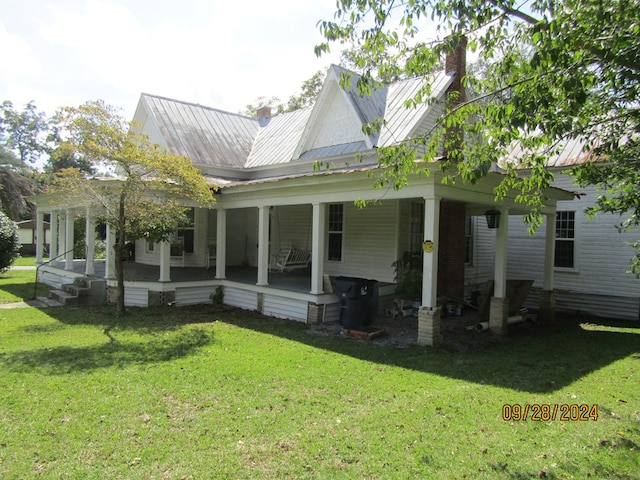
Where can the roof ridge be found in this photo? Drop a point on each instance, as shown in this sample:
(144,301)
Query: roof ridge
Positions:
(193,104)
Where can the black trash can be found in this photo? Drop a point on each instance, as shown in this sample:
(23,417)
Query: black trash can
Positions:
(358,300)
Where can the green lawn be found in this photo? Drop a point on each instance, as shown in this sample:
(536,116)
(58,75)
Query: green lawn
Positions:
(199,393)
(18,285)
(25,261)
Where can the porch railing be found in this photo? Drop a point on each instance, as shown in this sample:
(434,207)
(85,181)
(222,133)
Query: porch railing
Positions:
(35,286)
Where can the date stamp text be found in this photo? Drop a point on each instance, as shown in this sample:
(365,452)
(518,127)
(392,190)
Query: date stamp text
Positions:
(544,412)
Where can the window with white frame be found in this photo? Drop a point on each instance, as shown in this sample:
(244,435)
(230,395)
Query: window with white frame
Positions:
(565,248)
(468,241)
(335,230)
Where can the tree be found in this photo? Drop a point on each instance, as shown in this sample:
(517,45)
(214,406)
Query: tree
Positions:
(554,71)
(24,132)
(146,196)
(21,144)
(9,242)
(309,91)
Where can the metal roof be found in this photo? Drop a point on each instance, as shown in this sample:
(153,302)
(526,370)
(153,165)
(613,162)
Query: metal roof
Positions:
(276,142)
(401,122)
(209,137)
(565,154)
(213,138)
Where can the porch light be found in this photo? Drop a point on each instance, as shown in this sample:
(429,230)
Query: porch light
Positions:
(493,218)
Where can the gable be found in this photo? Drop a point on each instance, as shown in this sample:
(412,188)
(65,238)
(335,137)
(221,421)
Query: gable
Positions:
(336,123)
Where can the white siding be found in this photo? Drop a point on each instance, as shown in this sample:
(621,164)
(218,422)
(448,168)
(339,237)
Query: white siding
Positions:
(369,243)
(285,307)
(193,295)
(136,297)
(598,284)
(242,236)
(237,297)
(291,224)
(336,123)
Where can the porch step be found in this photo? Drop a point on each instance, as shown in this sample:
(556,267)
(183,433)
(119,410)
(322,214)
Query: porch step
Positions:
(83,291)
(65,298)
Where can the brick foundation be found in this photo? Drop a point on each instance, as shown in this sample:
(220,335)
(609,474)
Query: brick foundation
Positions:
(429,327)
(498,315)
(161,299)
(315,313)
(260,302)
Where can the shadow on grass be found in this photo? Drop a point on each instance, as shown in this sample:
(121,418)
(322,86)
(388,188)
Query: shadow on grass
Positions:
(62,360)
(534,358)
(23,291)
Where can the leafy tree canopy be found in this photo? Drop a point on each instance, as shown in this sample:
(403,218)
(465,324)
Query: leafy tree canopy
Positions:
(9,242)
(145,197)
(23,132)
(553,70)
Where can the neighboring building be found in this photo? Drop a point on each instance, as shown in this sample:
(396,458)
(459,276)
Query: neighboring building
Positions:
(27,233)
(271,195)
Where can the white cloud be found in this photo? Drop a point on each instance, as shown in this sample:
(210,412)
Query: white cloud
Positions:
(218,53)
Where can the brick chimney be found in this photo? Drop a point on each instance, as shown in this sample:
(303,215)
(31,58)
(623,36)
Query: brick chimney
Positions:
(456,62)
(263,113)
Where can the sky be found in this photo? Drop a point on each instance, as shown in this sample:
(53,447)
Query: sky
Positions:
(222,54)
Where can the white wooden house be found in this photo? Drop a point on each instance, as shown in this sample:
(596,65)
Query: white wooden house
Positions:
(270,195)
(591,256)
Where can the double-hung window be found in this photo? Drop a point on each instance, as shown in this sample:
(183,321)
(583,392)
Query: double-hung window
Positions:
(565,248)
(336,225)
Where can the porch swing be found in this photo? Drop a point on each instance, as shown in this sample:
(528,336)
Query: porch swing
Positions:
(288,256)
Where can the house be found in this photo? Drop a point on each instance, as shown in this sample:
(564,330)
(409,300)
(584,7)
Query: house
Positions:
(27,234)
(272,196)
(591,257)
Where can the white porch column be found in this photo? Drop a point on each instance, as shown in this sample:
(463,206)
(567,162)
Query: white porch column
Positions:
(547,300)
(499,307)
(221,243)
(263,246)
(62,233)
(549,251)
(53,234)
(429,313)
(68,259)
(165,262)
(40,235)
(90,236)
(110,266)
(317,247)
(430,256)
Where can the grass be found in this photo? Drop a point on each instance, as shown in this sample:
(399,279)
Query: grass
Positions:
(206,393)
(18,286)
(25,261)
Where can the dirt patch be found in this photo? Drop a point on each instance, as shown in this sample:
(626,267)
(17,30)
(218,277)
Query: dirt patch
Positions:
(459,333)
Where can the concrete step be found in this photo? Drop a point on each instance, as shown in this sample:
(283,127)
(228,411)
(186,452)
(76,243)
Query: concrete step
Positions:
(78,291)
(63,297)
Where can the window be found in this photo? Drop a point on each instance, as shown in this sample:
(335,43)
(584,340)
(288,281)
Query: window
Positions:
(417,227)
(565,239)
(468,241)
(150,246)
(336,219)
(185,234)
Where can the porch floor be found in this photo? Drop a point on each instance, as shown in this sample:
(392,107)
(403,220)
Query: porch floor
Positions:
(295,281)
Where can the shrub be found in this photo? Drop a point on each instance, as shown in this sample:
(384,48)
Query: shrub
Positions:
(9,242)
